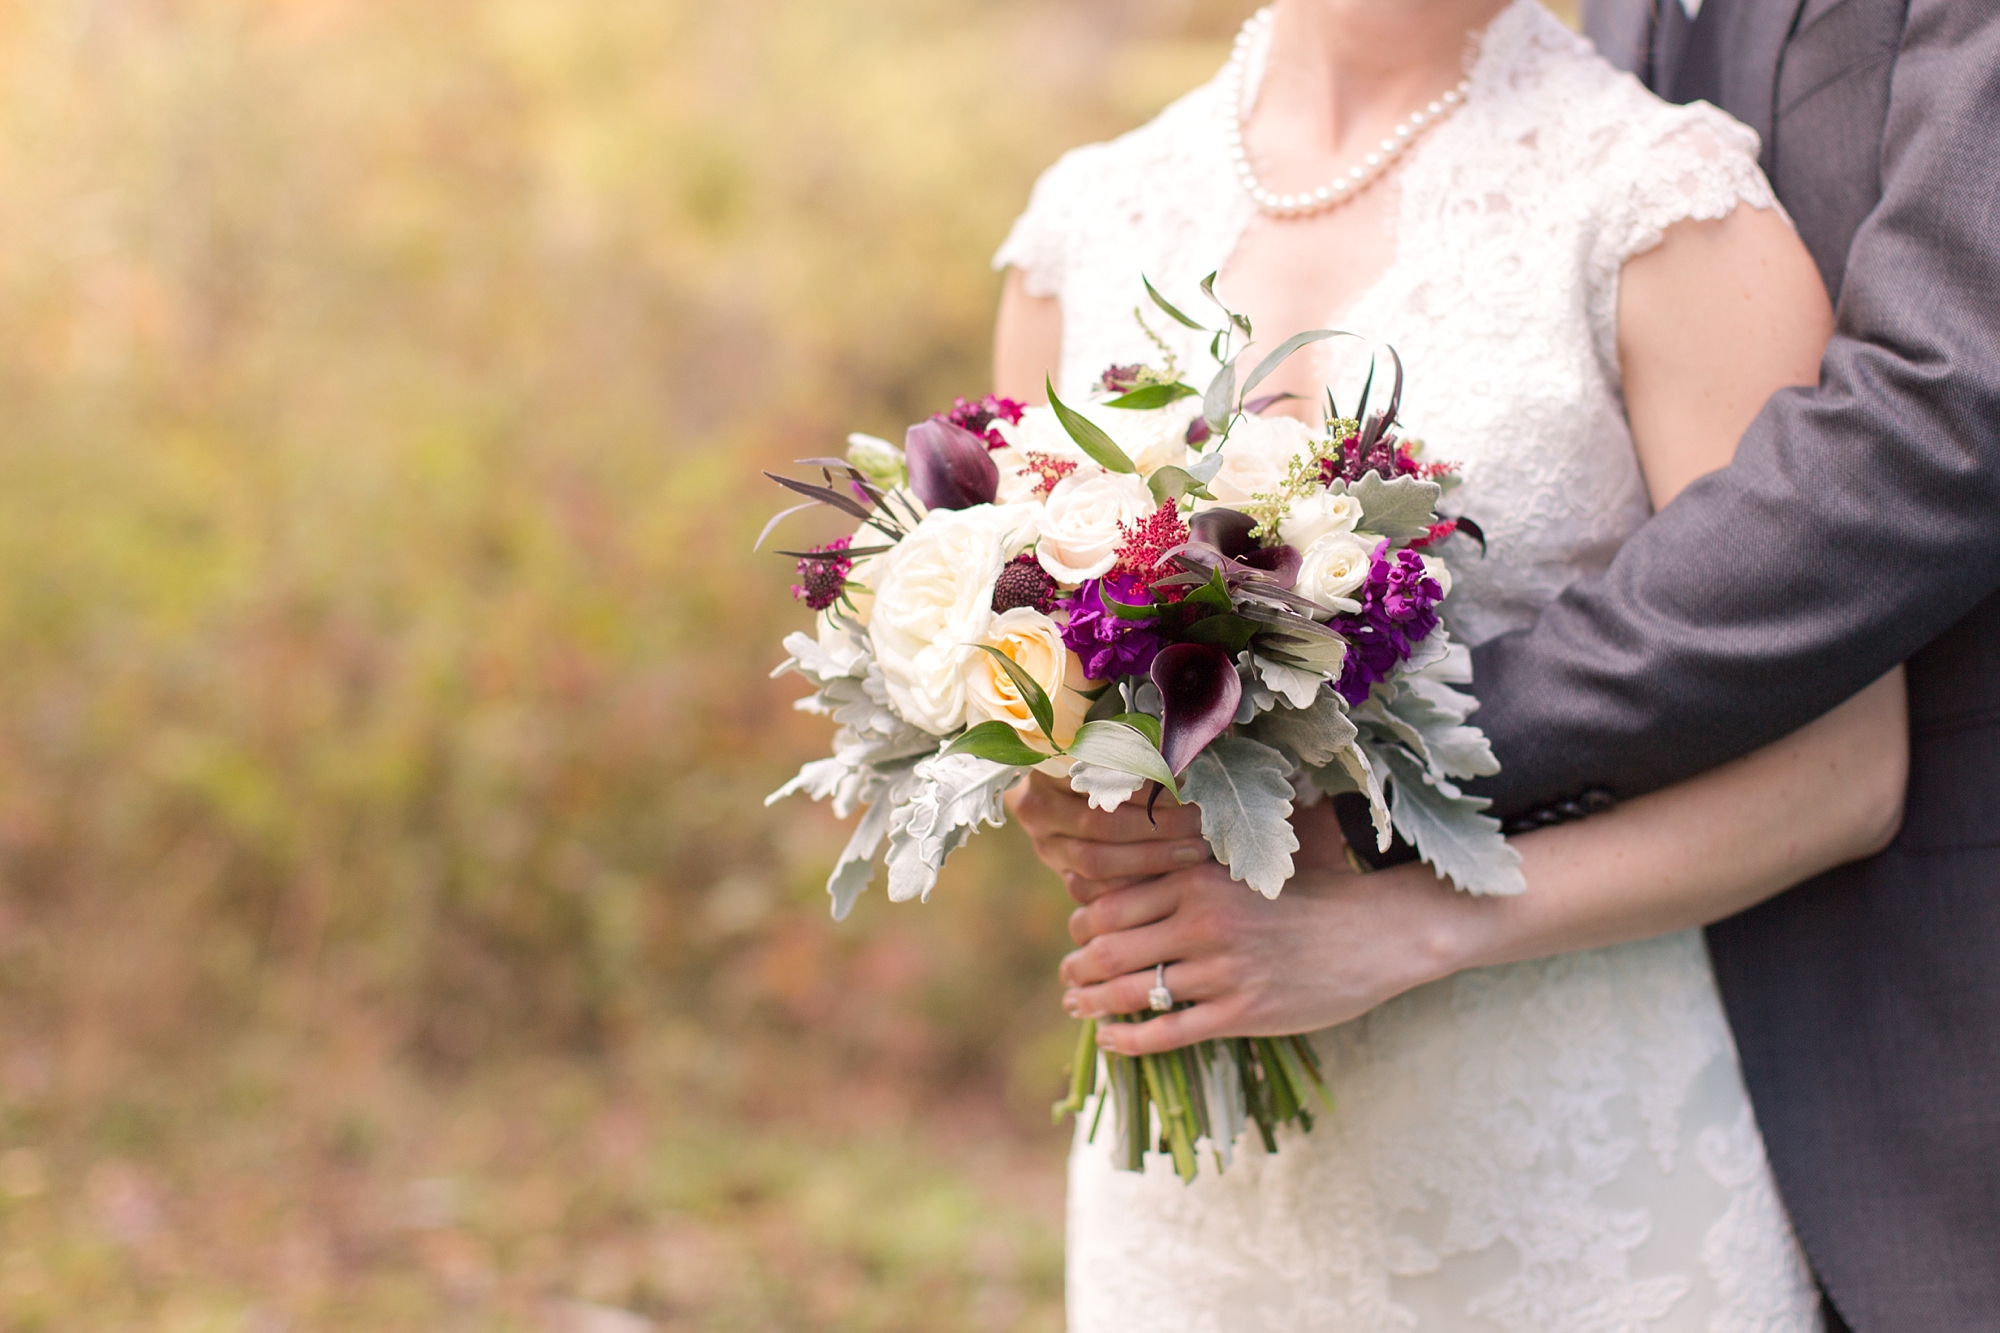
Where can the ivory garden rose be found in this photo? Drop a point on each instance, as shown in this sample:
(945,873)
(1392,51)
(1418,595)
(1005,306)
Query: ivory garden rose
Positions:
(933,602)
(1035,644)
(1083,524)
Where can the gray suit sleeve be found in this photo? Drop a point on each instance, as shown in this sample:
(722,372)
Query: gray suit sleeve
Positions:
(1859,520)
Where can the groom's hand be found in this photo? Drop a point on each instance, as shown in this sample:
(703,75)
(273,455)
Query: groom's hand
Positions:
(1096,852)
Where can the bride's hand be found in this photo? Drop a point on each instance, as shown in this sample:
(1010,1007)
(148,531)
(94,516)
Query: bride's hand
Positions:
(1096,852)
(1331,947)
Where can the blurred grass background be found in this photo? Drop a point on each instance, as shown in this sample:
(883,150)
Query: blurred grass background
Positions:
(391,933)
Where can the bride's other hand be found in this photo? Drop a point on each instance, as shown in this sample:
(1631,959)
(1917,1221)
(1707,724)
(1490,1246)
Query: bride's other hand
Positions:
(1095,851)
(1331,947)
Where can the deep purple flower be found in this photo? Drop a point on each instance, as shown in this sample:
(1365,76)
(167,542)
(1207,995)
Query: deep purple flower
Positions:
(1109,645)
(1398,612)
(949,466)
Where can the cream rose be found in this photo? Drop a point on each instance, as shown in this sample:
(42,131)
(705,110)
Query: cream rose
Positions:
(1080,524)
(1034,643)
(1257,456)
(934,600)
(1320,514)
(1333,568)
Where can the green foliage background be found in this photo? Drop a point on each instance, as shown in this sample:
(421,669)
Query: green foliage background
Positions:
(391,932)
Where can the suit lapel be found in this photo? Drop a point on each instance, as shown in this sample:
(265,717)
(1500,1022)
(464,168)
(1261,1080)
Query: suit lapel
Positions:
(1729,56)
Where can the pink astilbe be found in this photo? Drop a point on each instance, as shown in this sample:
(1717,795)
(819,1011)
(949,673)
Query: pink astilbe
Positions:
(1049,468)
(1145,542)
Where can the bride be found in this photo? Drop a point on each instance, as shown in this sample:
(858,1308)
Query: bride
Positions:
(1540,1125)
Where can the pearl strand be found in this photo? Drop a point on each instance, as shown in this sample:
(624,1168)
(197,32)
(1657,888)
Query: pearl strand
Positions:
(1341,188)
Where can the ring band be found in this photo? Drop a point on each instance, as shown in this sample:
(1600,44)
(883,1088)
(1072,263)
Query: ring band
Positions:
(1160,998)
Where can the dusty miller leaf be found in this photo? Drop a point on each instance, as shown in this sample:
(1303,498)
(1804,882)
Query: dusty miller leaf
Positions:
(950,796)
(1313,736)
(1294,685)
(1107,788)
(1452,832)
(1454,750)
(1400,509)
(1244,790)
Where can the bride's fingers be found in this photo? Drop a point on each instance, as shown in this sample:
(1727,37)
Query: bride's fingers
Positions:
(1048,808)
(1090,859)
(1124,951)
(1168,1032)
(1138,904)
(1196,981)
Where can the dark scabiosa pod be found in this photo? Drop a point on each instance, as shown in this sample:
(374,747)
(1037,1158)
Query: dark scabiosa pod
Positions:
(949,466)
(1199,691)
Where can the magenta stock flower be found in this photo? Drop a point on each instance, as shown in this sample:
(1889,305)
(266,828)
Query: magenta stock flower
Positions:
(1398,612)
(1108,644)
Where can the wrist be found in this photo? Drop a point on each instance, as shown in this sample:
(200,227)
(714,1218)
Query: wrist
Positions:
(1449,931)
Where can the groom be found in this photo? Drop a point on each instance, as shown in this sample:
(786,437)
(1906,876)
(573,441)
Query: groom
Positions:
(1859,526)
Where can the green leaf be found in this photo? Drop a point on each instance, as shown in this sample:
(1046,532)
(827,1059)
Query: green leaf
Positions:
(1119,746)
(1169,484)
(1089,436)
(1285,349)
(1232,632)
(1032,693)
(1144,723)
(1245,793)
(1128,610)
(1208,290)
(1219,403)
(1149,396)
(1400,509)
(1214,594)
(1172,313)
(998,742)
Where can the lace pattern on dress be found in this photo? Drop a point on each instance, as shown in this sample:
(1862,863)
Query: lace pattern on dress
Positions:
(1510,1147)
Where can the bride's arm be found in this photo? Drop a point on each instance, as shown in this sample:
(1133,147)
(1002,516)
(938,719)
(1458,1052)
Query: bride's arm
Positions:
(1027,341)
(1336,944)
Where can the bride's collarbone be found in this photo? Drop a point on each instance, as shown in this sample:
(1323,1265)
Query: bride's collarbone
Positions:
(1288,275)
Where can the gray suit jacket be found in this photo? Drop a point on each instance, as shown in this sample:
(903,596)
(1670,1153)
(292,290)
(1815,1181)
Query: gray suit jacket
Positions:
(1858,527)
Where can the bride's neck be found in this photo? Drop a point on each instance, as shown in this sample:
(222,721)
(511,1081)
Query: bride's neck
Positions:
(1339,62)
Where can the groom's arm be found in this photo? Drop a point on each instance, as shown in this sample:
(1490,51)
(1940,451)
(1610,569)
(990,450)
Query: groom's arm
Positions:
(1859,520)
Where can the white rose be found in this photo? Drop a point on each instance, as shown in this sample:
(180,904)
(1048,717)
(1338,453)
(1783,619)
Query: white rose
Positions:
(1320,514)
(1333,568)
(1438,570)
(934,600)
(1080,524)
(1034,643)
(1257,456)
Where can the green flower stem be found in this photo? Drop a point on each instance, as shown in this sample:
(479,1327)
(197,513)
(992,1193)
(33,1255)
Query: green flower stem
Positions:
(1082,1072)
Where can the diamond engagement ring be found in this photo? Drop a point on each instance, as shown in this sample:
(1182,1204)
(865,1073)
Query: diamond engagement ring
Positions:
(1160,998)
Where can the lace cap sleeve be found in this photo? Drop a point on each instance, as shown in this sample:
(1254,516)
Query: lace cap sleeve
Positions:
(1690,163)
(1038,243)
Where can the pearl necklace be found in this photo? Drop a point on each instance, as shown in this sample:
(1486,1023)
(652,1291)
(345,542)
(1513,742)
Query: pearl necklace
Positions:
(1341,188)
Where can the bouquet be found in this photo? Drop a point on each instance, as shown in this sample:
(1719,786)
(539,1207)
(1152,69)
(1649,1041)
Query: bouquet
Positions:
(1160,591)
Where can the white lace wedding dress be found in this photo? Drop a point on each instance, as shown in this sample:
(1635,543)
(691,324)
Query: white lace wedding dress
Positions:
(1562,1146)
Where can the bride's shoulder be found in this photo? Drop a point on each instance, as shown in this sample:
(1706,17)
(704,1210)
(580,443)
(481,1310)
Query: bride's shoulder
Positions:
(1106,179)
(1603,118)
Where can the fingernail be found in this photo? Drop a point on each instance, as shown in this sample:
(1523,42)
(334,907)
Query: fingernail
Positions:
(1190,853)
(1104,1042)
(1073,1004)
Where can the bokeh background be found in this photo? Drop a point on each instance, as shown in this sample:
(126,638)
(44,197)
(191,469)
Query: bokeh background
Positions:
(392,935)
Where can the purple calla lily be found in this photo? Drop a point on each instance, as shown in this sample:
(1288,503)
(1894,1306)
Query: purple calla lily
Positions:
(1228,531)
(949,466)
(1199,690)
